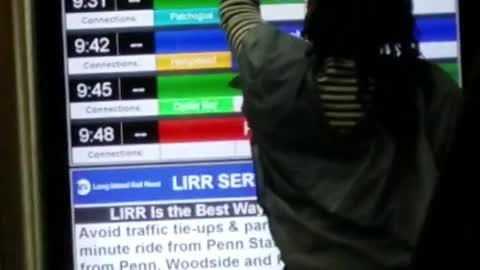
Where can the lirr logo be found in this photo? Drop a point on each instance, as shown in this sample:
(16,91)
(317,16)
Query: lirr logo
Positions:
(84,187)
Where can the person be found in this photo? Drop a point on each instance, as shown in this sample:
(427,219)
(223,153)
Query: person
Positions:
(351,128)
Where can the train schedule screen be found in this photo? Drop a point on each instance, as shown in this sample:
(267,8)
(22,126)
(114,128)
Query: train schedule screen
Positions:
(161,177)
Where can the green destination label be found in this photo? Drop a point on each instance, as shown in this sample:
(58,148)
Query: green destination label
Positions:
(191,16)
(196,94)
(452,69)
(212,94)
(177,4)
(194,106)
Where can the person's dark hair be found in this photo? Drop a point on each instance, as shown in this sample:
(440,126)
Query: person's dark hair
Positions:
(380,35)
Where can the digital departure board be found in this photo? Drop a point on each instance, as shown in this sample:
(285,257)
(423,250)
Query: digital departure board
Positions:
(161,176)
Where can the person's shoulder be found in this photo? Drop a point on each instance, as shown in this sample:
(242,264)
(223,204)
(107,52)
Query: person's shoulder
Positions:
(272,55)
(441,82)
(271,41)
(444,94)
(267,31)
(441,86)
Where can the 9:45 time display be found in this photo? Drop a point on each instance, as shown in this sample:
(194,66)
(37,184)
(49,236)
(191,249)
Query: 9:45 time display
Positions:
(94,90)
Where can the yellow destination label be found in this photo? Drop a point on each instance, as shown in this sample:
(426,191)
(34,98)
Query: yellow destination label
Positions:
(194,61)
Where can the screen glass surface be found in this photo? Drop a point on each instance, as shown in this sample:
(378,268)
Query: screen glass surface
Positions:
(161,176)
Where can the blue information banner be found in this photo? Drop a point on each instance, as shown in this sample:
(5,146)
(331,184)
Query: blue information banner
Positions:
(437,29)
(429,29)
(191,41)
(156,184)
(170,41)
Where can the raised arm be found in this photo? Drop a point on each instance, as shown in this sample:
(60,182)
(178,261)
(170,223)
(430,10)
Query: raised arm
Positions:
(237,18)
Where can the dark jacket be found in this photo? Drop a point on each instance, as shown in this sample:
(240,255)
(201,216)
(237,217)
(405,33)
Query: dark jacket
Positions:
(452,225)
(334,205)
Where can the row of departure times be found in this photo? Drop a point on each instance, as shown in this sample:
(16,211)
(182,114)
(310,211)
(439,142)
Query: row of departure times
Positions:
(164,140)
(110,44)
(106,5)
(155,82)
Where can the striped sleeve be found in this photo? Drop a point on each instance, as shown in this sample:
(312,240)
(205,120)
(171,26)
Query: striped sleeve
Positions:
(237,18)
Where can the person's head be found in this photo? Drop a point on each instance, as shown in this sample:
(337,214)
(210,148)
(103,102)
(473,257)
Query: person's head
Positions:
(354,28)
(380,35)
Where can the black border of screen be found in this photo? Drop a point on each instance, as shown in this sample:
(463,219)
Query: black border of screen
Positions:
(469,21)
(55,187)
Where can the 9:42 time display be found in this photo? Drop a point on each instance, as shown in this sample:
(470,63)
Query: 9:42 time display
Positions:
(88,45)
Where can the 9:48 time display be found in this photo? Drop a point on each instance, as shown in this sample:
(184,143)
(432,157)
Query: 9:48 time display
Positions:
(96,134)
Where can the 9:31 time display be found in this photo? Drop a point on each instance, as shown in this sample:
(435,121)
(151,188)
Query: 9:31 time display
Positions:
(89,5)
